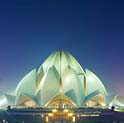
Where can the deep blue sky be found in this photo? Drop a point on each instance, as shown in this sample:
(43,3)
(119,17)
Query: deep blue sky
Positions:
(91,30)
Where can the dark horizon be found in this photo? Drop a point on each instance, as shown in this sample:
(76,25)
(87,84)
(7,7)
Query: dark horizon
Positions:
(92,31)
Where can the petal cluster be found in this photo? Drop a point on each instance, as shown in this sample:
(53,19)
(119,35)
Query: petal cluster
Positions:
(60,80)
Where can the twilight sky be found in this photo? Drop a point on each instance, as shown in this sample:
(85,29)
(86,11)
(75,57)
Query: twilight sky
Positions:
(91,30)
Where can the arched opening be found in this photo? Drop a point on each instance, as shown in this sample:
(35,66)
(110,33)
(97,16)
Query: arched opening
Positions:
(23,100)
(60,101)
(97,100)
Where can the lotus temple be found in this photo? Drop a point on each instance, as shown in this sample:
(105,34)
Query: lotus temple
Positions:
(61,91)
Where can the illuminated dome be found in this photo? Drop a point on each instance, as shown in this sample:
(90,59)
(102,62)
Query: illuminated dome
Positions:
(60,81)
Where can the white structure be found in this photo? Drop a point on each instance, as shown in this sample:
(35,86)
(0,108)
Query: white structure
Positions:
(60,81)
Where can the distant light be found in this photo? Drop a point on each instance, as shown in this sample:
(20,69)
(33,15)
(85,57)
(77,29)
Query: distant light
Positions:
(70,114)
(4,121)
(54,110)
(47,119)
(65,110)
(73,119)
(90,115)
(50,114)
